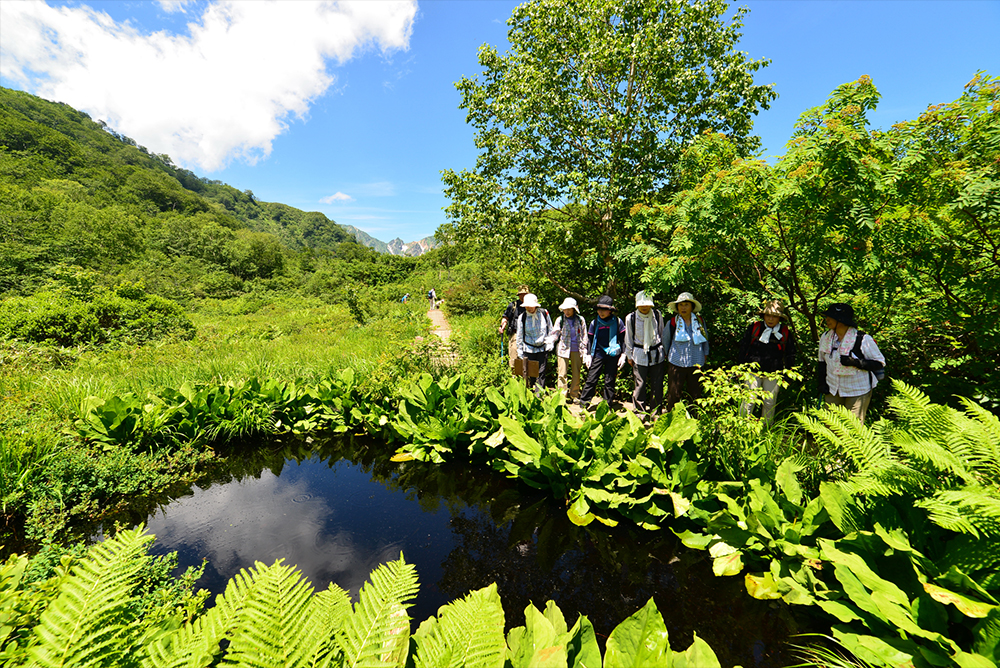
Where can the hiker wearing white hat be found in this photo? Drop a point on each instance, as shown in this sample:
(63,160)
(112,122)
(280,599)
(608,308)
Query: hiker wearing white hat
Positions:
(770,344)
(533,345)
(508,324)
(644,351)
(570,331)
(687,350)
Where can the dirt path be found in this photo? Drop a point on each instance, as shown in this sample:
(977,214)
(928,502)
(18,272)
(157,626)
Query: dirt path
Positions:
(441,328)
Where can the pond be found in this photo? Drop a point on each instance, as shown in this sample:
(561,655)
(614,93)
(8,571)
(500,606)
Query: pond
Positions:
(337,508)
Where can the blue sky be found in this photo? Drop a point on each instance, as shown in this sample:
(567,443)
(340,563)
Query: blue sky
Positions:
(351,109)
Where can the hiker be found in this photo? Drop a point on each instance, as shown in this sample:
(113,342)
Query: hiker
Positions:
(570,330)
(604,352)
(770,343)
(432,298)
(533,329)
(644,351)
(508,324)
(687,351)
(406,297)
(848,361)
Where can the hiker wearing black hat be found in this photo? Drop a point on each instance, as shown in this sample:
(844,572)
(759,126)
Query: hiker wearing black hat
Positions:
(849,361)
(508,324)
(604,357)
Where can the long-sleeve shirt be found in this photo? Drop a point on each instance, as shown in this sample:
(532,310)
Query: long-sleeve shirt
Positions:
(533,332)
(687,353)
(571,334)
(634,335)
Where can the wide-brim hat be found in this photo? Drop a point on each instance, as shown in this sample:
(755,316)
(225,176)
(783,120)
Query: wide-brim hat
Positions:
(530,300)
(523,290)
(684,297)
(773,307)
(606,302)
(642,299)
(842,313)
(569,303)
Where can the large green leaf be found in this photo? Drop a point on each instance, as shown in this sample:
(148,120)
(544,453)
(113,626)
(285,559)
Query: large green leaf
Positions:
(639,641)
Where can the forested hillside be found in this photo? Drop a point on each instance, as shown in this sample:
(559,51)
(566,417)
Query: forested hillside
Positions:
(76,195)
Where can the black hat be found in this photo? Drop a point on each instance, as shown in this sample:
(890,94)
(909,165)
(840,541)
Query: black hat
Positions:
(842,313)
(606,302)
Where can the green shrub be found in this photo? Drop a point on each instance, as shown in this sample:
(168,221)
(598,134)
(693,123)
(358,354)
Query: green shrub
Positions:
(48,317)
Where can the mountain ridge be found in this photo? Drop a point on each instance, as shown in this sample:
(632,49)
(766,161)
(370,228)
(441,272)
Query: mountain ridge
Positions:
(395,247)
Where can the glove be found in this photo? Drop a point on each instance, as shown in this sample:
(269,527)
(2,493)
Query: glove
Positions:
(847,360)
(587,359)
(621,362)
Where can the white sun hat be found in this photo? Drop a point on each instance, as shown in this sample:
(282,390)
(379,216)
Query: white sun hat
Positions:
(569,303)
(530,300)
(642,299)
(684,297)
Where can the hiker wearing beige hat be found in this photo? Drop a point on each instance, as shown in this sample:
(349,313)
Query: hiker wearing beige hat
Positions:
(771,345)
(644,350)
(508,324)
(533,342)
(687,350)
(570,336)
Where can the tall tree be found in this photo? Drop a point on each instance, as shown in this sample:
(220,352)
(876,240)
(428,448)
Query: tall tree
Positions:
(586,116)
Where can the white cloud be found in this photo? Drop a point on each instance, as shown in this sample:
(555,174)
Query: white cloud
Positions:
(225,91)
(171,6)
(337,197)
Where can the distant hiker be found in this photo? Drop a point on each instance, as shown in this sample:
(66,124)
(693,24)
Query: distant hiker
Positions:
(604,352)
(406,297)
(644,351)
(432,298)
(849,362)
(688,350)
(570,331)
(533,345)
(508,324)
(771,344)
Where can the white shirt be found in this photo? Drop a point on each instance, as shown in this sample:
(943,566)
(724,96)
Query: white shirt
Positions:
(848,381)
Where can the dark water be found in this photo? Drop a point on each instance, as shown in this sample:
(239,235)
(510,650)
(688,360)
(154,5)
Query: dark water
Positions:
(337,509)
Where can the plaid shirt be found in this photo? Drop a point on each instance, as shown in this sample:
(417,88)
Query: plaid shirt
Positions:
(852,382)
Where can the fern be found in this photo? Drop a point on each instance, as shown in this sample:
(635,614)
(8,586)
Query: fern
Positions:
(466,633)
(377,634)
(88,624)
(272,631)
(971,510)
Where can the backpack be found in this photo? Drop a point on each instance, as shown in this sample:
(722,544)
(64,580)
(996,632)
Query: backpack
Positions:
(856,351)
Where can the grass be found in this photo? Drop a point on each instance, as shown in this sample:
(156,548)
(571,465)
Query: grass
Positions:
(286,338)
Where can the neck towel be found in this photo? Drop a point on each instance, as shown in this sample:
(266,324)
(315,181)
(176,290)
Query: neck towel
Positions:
(647,328)
(765,336)
(695,336)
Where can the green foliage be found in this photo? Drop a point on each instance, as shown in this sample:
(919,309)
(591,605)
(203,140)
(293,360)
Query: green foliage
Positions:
(588,112)
(87,615)
(125,313)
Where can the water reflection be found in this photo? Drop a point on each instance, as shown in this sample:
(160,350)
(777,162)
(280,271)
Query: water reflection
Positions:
(339,508)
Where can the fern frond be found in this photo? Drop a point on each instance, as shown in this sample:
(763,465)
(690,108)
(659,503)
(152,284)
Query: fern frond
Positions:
(931,453)
(839,429)
(467,632)
(273,629)
(887,479)
(196,645)
(379,626)
(970,510)
(982,429)
(327,611)
(87,624)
